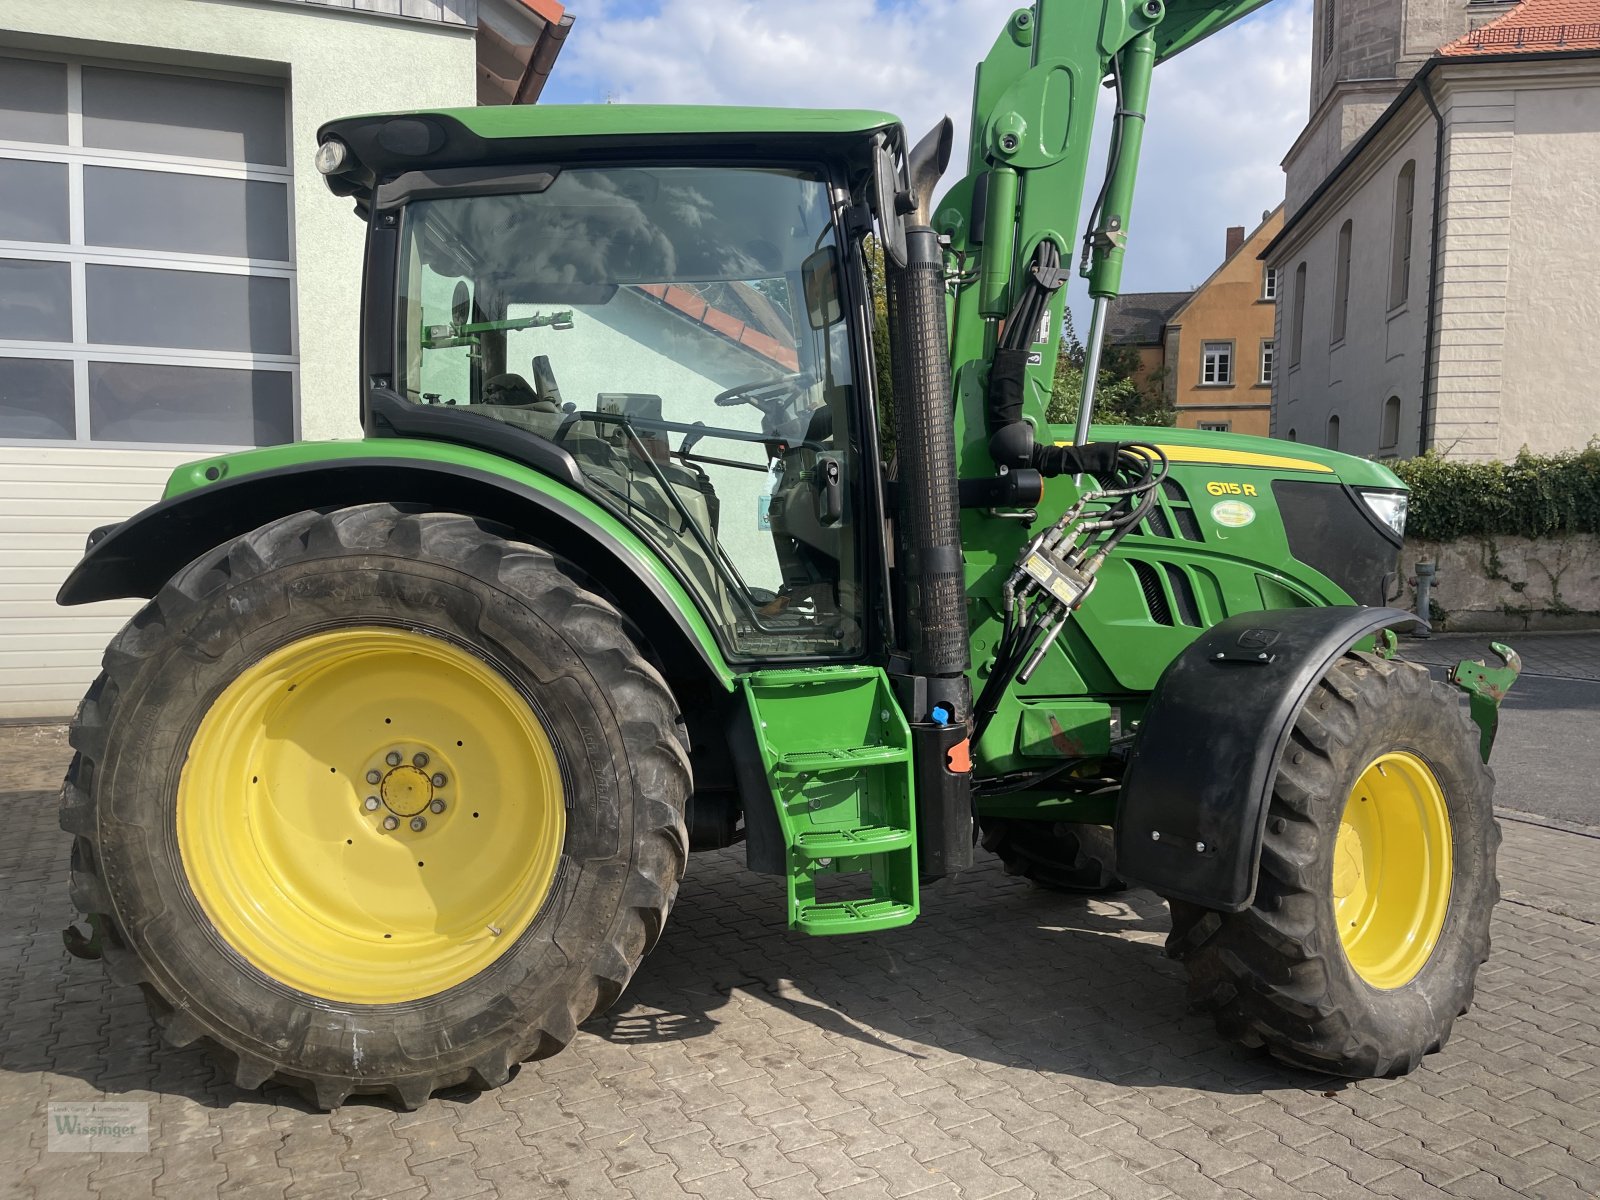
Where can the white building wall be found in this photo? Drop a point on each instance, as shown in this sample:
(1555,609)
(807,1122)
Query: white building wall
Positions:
(1551,395)
(1516,312)
(336,63)
(1381,352)
(1474,270)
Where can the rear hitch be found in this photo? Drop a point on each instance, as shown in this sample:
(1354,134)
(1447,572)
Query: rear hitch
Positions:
(1486,687)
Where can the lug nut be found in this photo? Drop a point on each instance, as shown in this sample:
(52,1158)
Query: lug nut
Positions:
(439,779)
(372,803)
(418,824)
(374,776)
(392,758)
(419,759)
(436,807)
(391,822)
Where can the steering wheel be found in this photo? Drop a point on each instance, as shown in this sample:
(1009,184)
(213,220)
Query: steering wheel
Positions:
(765,394)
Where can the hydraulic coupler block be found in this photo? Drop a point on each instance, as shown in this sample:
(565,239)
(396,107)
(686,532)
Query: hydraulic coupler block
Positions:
(1067,584)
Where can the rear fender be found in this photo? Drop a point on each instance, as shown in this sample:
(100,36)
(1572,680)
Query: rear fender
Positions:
(1193,808)
(136,557)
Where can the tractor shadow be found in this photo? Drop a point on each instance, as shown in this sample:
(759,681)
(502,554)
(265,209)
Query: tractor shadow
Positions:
(995,970)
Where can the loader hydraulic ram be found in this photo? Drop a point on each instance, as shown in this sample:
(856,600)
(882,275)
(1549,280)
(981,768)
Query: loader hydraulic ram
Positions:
(392,782)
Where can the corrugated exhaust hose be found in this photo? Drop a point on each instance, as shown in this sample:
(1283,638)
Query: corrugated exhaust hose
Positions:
(929,504)
(934,692)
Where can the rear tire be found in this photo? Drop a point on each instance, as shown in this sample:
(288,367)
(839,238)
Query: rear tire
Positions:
(446,601)
(1059,856)
(1350,961)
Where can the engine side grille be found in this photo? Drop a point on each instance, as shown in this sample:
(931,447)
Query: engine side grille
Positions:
(1183,597)
(1155,598)
(1173,516)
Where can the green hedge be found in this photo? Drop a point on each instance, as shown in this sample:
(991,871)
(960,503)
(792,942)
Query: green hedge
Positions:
(1535,495)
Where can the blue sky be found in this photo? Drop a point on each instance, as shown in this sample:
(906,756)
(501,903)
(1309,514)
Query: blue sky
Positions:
(1222,115)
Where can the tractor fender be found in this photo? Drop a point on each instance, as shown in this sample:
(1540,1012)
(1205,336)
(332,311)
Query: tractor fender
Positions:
(136,557)
(1193,807)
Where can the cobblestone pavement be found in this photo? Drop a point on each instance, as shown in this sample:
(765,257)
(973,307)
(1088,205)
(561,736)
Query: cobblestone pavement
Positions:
(1012,1043)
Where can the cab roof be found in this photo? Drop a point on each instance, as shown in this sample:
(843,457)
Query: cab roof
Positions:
(609,120)
(382,145)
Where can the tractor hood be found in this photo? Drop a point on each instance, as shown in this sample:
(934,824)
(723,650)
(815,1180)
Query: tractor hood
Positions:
(1241,450)
(355,153)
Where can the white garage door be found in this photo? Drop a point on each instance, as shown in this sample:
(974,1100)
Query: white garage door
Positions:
(146,318)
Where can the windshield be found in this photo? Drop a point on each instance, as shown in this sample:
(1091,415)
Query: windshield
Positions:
(678,331)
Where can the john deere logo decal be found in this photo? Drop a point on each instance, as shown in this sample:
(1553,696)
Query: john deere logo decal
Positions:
(1235,514)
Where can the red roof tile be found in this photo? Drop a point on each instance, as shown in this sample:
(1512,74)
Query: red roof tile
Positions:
(548,9)
(1533,26)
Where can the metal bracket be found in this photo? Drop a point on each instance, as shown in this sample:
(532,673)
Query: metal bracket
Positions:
(80,946)
(1486,687)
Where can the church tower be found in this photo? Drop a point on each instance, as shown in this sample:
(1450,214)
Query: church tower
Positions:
(1362,53)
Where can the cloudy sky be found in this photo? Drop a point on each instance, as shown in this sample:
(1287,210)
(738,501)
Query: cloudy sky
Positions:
(1221,115)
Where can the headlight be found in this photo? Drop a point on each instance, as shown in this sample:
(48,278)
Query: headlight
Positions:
(331,155)
(1390,508)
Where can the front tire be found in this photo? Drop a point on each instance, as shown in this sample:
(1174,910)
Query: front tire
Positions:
(377,802)
(1376,887)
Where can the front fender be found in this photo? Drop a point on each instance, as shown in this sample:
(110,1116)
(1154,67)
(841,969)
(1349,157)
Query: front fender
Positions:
(210,502)
(1193,808)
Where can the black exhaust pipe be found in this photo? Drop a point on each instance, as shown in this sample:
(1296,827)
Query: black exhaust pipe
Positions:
(934,692)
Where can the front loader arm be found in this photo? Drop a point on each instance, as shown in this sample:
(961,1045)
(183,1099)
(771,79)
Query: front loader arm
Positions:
(1034,102)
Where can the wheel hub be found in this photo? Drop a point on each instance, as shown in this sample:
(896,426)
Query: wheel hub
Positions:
(408,790)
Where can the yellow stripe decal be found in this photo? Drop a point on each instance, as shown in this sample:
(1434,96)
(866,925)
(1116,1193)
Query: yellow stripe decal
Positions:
(1236,458)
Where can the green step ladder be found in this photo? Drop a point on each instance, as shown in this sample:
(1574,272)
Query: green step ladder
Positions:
(838,756)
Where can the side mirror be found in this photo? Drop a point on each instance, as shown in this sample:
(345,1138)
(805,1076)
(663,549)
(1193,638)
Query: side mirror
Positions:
(886,199)
(819,276)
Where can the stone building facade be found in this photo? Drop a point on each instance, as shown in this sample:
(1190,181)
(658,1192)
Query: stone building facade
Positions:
(1437,277)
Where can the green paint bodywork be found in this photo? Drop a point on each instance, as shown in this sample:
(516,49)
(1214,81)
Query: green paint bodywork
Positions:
(837,752)
(635,120)
(196,475)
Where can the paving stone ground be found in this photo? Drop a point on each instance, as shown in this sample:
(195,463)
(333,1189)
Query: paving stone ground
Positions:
(1011,1043)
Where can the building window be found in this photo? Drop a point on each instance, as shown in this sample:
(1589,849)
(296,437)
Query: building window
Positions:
(146,261)
(1405,196)
(1292,436)
(1333,433)
(1297,326)
(1216,363)
(1391,423)
(1268,353)
(1329,24)
(1341,281)
(1217,426)
(1269,283)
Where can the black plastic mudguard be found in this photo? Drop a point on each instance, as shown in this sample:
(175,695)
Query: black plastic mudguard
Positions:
(1194,799)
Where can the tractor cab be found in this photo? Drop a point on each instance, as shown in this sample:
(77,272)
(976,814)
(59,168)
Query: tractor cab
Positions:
(686,326)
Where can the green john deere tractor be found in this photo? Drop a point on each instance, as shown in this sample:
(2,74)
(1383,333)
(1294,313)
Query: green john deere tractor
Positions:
(392,782)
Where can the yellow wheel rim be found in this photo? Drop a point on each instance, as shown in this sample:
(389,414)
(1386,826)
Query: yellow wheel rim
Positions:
(370,815)
(1391,870)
